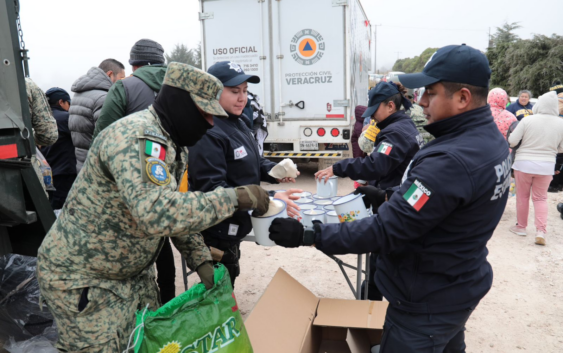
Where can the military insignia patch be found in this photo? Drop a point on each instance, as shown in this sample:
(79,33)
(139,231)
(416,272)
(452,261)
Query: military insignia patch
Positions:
(157,171)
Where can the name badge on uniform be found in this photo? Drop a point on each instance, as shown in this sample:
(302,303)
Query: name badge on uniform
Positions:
(233,229)
(240,152)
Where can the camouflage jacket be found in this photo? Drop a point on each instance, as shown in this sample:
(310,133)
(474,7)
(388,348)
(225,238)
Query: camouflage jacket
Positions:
(44,124)
(45,131)
(417,115)
(121,205)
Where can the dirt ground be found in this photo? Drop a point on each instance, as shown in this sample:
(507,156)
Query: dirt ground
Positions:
(522,312)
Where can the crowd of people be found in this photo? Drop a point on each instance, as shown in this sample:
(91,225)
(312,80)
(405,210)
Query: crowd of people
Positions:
(435,170)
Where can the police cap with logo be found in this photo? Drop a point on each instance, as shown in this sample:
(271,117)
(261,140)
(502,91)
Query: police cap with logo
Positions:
(231,74)
(452,63)
(380,93)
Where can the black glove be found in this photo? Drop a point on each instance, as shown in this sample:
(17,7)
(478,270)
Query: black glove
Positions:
(287,232)
(373,196)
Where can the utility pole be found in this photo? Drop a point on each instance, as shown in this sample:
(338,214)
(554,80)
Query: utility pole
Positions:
(398,53)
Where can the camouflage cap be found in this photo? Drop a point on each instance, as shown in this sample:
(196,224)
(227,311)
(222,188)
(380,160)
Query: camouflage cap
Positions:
(204,89)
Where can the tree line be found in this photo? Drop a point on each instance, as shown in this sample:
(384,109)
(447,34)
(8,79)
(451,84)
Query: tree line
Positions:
(516,63)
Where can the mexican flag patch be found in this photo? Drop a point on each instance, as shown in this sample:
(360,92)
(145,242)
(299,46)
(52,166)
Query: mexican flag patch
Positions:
(154,149)
(417,195)
(385,148)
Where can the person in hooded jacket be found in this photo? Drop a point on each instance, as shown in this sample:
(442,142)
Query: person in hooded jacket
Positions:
(432,234)
(90,92)
(556,184)
(522,107)
(497,100)
(228,156)
(541,137)
(60,155)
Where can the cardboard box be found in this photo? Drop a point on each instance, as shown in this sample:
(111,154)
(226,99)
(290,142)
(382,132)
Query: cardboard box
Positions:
(288,318)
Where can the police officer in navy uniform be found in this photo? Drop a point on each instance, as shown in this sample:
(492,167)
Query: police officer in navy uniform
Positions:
(432,233)
(228,156)
(394,147)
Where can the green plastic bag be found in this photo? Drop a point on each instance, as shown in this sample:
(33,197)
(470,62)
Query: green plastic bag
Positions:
(197,321)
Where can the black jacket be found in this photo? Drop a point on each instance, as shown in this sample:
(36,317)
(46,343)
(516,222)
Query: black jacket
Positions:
(399,134)
(434,259)
(227,156)
(60,155)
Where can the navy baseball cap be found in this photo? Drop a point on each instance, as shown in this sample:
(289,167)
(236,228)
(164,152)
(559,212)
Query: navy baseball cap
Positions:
(378,94)
(56,93)
(453,63)
(231,74)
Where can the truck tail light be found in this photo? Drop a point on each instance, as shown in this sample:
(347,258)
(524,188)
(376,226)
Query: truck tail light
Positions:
(321,132)
(307,132)
(335,132)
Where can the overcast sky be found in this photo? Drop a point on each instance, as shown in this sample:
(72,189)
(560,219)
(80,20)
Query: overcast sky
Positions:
(66,38)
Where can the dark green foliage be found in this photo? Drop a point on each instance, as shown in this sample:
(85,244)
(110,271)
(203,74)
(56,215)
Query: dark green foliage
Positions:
(531,64)
(415,64)
(182,54)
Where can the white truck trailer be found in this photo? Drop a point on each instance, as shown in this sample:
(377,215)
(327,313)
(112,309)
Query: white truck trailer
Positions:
(313,58)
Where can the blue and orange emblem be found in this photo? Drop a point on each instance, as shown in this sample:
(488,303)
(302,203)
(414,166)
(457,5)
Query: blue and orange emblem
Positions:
(307,47)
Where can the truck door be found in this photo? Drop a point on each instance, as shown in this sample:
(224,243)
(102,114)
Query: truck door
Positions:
(237,31)
(309,60)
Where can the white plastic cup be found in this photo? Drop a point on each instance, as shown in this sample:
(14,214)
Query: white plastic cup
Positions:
(328,188)
(303,195)
(322,203)
(261,225)
(312,215)
(332,217)
(304,208)
(350,208)
(328,208)
(303,201)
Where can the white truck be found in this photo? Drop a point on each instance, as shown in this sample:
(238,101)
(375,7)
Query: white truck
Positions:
(313,58)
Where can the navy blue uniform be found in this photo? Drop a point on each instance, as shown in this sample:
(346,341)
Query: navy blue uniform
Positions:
(227,156)
(432,233)
(395,146)
(62,159)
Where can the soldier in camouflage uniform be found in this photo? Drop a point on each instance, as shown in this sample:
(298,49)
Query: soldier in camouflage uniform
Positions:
(419,120)
(95,266)
(45,131)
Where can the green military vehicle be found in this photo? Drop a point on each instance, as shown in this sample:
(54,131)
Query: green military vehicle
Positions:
(25,212)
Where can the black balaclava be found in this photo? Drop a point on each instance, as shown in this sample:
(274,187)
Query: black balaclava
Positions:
(179,116)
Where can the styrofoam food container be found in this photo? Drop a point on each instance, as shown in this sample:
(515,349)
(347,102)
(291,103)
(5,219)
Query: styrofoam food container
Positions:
(303,201)
(327,188)
(261,225)
(332,217)
(312,215)
(303,195)
(350,208)
(304,208)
